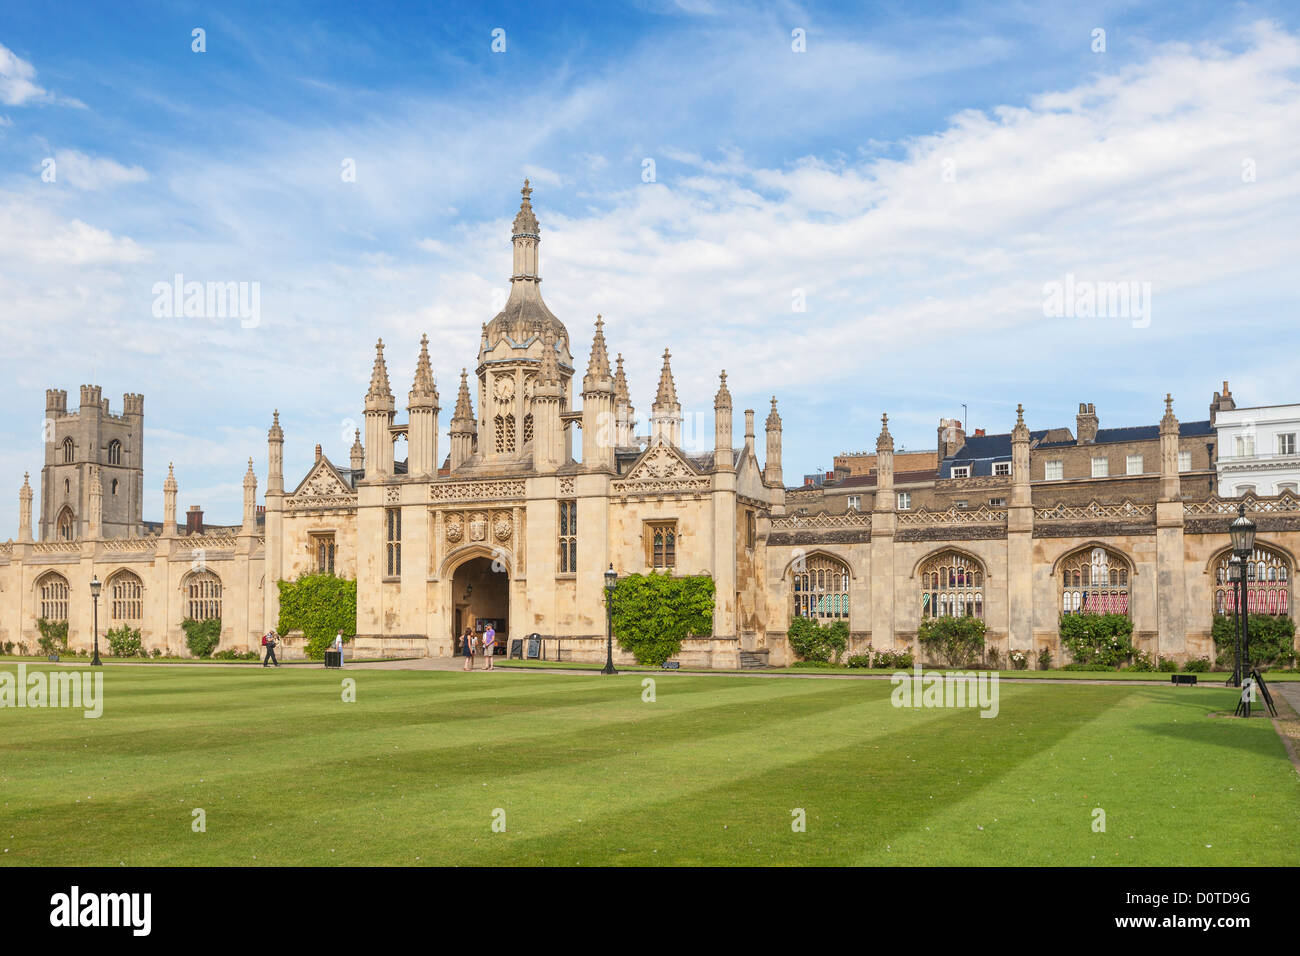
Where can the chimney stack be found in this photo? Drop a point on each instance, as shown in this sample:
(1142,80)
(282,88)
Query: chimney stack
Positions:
(194,520)
(1085,422)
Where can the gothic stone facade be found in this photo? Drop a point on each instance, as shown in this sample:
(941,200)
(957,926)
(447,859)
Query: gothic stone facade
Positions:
(510,525)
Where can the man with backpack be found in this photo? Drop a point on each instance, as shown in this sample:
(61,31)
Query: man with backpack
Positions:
(269,641)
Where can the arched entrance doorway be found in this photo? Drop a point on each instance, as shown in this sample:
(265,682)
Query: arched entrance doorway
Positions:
(480,594)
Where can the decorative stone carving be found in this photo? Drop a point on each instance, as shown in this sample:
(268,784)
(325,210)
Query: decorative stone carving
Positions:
(502,525)
(478,526)
(487,490)
(455,528)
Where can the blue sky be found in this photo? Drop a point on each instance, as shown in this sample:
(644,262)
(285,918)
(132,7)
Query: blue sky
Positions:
(916,176)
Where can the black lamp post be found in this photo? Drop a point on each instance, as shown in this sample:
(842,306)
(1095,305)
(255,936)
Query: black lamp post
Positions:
(1242,531)
(1234,575)
(611,582)
(94,594)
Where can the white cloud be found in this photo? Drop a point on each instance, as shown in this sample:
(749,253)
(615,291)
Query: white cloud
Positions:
(80,171)
(18,83)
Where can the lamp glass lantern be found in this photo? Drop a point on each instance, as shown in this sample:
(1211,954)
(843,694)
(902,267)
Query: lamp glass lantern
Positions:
(611,579)
(1242,531)
(95,586)
(1234,568)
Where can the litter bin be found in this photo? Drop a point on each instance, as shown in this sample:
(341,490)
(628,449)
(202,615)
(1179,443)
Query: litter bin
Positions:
(333,659)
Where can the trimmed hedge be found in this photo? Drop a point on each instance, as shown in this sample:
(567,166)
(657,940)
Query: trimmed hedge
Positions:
(1272,639)
(124,641)
(959,641)
(318,605)
(1105,640)
(815,642)
(654,613)
(202,637)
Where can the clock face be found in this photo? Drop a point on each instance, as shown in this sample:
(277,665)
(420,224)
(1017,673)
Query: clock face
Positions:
(504,388)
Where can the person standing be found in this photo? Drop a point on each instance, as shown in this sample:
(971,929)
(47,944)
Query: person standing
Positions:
(338,645)
(489,644)
(467,648)
(270,641)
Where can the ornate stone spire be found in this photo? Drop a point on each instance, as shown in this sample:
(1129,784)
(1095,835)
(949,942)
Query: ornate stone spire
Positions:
(357,453)
(667,394)
(424,391)
(666,412)
(621,393)
(772,466)
(275,433)
(723,398)
(250,500)
(379,390)
(25,509)
(169,502)
(464,410)
(886,441)
(1021,431)
(598,366)
(525,223)
(1169,420)
(549,373)
(773,419)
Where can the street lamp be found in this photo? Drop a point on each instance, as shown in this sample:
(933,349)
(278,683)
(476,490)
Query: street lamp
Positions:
(1234,575)
(94,594)
(1242,531)
(611,582)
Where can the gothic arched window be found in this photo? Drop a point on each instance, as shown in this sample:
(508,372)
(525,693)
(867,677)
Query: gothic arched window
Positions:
(52,590)
(1094,580)
(952,585)
(65,526)
(528,428)
(68,451)
(202,596)
(115,452)
(821,588)
(1268,583)
(126,597)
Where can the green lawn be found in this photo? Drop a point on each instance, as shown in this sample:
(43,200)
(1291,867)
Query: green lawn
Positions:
(587,773)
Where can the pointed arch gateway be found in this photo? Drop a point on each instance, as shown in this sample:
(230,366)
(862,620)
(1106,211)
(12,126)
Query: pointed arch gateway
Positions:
(479,580)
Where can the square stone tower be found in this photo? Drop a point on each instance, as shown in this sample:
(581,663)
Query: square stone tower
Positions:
(92,438)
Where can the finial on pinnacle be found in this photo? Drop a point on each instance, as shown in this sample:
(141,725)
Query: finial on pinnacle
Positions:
(723,376)
(884,420)
(1169,401)
(667,355)
(600,322)
(1020,413)
(424,339)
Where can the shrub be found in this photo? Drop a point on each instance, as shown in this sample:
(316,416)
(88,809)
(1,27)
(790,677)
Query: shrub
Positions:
(653,613)
(230,654)
(1168,665)
(1018,660)
(7,647)
(1087,667)
(818,642)
(1045,659)
(318,605)
(54,636)
(1098,638)
(894,660)
(859,660)
(1199,665)
(993,658)
(1142,662)
(124,641)
(1272,640)
(202,637)
(959,641)
(812,664)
